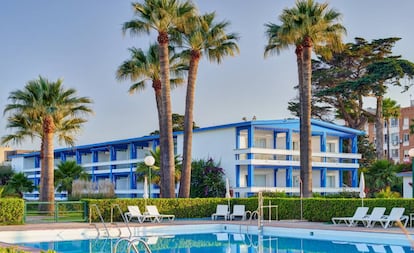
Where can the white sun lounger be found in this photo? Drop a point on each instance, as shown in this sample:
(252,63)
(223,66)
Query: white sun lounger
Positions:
(238,211)
(221,211)
(376,214)
(359,214)
(134,212)
(396,214)
(153,211)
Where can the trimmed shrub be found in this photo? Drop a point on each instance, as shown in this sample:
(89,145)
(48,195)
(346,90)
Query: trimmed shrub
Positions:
(11,211)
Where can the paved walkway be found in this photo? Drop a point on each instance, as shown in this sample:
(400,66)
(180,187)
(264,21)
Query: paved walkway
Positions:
(283,223)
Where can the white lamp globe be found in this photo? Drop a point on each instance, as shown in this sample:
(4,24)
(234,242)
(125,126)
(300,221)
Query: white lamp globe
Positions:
(149,160)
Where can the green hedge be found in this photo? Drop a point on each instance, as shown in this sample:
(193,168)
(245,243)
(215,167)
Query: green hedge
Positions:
(314,209)
(11,211)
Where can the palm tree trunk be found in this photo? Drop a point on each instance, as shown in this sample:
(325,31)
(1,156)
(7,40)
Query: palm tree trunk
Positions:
(166,136)
(156,84)
(388,140)
(188,126)
(49,191)
(379,130)
(305,121)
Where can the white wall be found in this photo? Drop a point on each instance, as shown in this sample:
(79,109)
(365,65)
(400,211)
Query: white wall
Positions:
(17,164)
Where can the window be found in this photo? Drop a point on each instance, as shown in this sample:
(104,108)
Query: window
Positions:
(243,138)
(330,147)
(260,142)
(260,180)
(394,153)
(296,181)
(330,181)
(406,137)
(394,122)
(406,124)
(395,139)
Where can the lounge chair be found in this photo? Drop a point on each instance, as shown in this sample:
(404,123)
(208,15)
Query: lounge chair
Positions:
(396,214)
(153,211)
(238,211)
(134,212)
(376,214)
(359,214)
(221,211)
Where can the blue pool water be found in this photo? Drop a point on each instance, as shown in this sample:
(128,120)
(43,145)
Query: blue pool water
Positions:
(222,242)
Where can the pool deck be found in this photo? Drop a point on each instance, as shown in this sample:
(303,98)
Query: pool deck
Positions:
(296,224)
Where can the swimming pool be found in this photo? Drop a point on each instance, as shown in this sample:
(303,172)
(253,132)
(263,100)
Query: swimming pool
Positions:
(220,238)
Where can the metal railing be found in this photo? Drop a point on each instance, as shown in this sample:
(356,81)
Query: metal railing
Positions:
(57,211)
(132,243)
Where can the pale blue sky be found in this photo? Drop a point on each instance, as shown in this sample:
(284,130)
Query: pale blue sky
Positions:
(81,41)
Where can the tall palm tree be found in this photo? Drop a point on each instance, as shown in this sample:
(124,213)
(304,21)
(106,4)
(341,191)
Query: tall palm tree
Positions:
(390,109)
(203,36)
(45,109)
(307,26)
(65,173)
(144,67)
(162,16)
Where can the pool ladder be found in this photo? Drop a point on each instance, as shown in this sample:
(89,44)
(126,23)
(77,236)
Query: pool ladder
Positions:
(132,243)
(96,208)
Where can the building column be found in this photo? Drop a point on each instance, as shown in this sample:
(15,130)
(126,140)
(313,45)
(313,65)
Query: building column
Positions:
(132,174)
(323,170)
(289,172)
(78,157)
(112,156)
(62,156)
(355,178)
(323,177)
(275,177)
(250,175)
(95,159)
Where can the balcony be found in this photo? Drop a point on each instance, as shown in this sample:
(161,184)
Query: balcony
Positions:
(283,157)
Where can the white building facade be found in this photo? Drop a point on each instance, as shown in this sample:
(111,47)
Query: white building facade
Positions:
(260,155)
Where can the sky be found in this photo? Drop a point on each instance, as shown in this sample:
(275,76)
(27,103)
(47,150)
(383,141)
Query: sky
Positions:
(81,42)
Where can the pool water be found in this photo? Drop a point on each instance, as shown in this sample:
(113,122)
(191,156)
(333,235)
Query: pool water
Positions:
(221,242)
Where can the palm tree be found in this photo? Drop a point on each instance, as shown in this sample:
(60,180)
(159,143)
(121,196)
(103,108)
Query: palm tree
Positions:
(65,173)
(162,16)
(19,183)
(45,109)
(308,26)
(203,36)
(143,170)
(390,109)
(144,67)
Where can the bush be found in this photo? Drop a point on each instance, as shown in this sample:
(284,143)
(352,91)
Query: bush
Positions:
(11,211)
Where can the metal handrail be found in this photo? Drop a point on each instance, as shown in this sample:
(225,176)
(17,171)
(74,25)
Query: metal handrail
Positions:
(123,218)
(131,244)
(100,216)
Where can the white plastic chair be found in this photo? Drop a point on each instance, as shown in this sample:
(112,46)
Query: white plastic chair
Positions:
(134,212)
(238,211)
(221,211)
(153,211)
(359,214)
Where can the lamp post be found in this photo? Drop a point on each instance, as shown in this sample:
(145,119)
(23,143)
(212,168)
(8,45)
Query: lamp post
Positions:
(411,154)
(149,161)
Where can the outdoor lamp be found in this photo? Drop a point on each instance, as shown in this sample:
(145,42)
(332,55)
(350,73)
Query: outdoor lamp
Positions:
(411,154)
(149,161)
